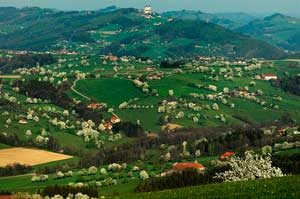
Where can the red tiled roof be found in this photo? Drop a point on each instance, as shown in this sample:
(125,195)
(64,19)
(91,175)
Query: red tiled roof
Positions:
(5,197)
(107,125)
(227,154)
(114,117)
(187,165)
(95,106)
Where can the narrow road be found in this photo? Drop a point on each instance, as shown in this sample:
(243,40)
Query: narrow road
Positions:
(77,92)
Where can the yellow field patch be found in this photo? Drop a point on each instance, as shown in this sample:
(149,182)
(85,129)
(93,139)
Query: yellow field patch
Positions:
(29,156)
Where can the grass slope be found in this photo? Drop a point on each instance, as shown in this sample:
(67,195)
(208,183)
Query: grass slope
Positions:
(278,29)
(111,91)
(285,187)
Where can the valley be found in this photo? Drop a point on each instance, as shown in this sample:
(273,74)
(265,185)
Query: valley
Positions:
(131,103)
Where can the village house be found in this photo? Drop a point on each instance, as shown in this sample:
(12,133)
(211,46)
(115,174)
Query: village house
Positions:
(22,121)
(188,165)
(179,167)
(281,131)
(124,59)
(227,155)
(268,77)
(155,75)
(150,69)
(152,135)
(95,106)
(115,120)
(108,126)
(111,57)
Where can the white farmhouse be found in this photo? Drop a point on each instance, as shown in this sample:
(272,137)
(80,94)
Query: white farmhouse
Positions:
(268,77)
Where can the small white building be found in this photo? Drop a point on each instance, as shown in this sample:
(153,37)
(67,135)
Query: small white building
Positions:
(269,77)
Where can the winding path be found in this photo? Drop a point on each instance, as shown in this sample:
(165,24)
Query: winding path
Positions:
(77,92)
(84,96)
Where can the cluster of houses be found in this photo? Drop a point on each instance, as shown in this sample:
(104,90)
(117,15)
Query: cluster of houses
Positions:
(111,57)
(96,106)
(179,167)
(108,125)
(155,75)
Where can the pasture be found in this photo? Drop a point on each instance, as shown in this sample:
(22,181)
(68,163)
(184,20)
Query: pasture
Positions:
(110,91)
(284,187)
(29,156)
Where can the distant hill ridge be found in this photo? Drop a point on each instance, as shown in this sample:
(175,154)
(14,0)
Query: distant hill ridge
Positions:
(278,29)
(46,29)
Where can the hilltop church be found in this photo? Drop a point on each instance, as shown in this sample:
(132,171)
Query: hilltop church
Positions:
(148,12)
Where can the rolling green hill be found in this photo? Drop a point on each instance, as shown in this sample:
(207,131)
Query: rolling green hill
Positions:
(227,20)
(123,32)
(285,187)
(280,30)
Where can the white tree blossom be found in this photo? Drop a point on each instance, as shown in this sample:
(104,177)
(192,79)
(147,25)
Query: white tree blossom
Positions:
(92,170)
(251,167)
(144,175)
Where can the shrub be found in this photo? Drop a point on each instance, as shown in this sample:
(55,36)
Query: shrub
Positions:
(14,169)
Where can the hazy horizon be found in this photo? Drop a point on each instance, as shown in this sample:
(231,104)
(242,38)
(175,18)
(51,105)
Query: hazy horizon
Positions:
(290,7)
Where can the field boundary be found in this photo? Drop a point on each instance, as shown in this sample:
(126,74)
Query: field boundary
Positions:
(77,92)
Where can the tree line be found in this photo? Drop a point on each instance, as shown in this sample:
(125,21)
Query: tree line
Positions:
(217,141)
(64,191)
(58,96)
(289,84)
(14,169)
(188,177)
(25,61)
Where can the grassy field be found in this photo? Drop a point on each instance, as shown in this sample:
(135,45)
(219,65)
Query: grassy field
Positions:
(115,91)
(110,91)
(70,161)
(148,117)
(289,151)
(277,188)
(125,184)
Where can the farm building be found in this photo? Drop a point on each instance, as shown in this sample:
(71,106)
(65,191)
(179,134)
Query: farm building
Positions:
(111,57)
(22,121)
(108,126)
(269,77)
(95,106)
(115,120)
(179,167)
(227,155)
(188,165)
